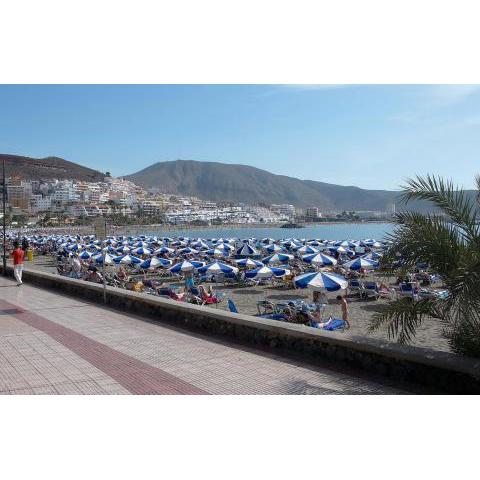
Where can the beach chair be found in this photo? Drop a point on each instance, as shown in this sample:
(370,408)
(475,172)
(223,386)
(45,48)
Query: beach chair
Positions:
(355,286)
(406,290)
(370,290)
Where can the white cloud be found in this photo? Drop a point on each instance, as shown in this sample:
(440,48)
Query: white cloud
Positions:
(446,95)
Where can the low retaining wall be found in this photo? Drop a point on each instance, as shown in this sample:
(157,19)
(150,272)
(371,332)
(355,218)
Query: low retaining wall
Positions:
(439,370)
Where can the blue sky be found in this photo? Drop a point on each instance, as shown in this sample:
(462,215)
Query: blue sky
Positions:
(372,136)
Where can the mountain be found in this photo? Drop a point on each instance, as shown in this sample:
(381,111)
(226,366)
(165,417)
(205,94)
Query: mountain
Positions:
(27,168)
(241,183)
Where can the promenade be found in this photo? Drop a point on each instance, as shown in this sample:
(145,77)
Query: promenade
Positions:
(55,344)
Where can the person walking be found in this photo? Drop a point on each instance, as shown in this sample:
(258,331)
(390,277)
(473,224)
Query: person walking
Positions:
(18,255)
(343,302)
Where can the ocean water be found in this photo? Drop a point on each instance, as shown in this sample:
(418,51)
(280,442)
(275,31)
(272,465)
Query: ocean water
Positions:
(337,231)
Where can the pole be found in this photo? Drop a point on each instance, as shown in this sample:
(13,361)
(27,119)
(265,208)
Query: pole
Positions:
(103,268)
(4,197)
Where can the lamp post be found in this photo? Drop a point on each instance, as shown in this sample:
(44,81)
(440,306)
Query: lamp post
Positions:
(4,197)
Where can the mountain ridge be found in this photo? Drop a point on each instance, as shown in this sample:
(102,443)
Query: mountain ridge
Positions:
(218,181)
(29,168)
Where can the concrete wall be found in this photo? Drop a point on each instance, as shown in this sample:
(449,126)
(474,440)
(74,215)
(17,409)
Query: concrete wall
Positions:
(442,371)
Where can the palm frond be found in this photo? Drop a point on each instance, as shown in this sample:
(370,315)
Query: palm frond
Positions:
(403,317)
(451,200)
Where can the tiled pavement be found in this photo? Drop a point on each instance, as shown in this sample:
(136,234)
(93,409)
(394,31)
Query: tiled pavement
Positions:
(55,344)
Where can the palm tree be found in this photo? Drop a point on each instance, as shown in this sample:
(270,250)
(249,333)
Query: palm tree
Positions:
(448,241)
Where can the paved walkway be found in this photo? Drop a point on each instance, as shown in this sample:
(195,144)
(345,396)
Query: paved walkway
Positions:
(55,344)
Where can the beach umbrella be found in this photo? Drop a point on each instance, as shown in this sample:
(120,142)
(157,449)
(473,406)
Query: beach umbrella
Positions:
(375,256)
(321,280)
(319,259)
(246,250)
(141,243)
(278,258)
(142,251)
(186,266)
(127,260)
(155,262)
(267,240)
(307,249)
(163,250)
(216,268)
(123,250)
(266,272)
(200,245)
(85,255)
(109,260)
(248,263)
(224,246)
(360,262)
(273,248)
(216,252)
(187,250)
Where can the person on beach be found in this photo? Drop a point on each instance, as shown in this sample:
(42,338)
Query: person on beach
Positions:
(18,255)
(343,302)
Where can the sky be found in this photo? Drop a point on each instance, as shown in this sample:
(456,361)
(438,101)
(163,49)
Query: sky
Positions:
(371,136)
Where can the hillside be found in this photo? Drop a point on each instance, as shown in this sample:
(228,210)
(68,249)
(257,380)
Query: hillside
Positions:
(27,168)
(242,183)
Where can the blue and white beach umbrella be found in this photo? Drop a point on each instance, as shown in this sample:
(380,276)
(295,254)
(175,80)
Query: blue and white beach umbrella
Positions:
(127,260)
(248,263)
(187,251)
(155,262)
(186,266)
(359,263)
(123,250)
(266,272)
(307,249)
(321,280)
(217,252)
(246,250)
(163,250)
(273,248)
(142,251)
(109,260)
(319,259)
(216,268)
(85,255)
(277,258)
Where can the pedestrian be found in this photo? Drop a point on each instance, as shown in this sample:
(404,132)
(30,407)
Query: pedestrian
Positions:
(25,244)
(343,302)
(18,255)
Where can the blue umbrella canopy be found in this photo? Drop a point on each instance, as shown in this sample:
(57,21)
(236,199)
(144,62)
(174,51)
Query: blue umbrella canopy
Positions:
(187,250)
(307,249)
(123,250)
(321,280)
(319,259)
(217,267)
(163,250)
(217,252)
(246,250)
(127,260)
(278,258)
(109,260)
(273,248)
(85,255)
(155,262)
(266,272)
(186,266)
(360,262)
(248,263)
(142,251)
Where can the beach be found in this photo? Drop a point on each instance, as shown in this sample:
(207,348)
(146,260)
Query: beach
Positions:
(429,335)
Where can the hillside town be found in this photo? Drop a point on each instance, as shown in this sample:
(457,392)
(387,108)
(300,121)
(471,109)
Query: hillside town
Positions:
(51,202)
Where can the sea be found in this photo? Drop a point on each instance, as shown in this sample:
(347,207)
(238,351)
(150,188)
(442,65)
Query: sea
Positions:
(331,231)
